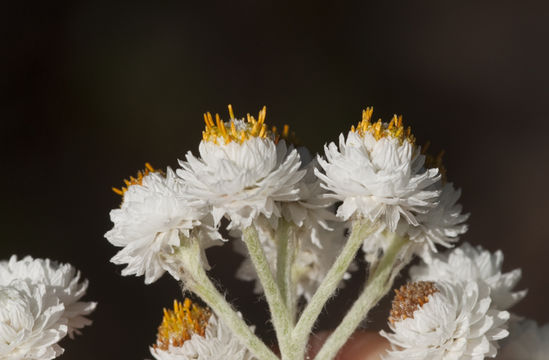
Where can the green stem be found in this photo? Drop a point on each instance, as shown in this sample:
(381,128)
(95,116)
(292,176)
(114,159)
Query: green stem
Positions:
(279,312)
(196,280)
(285,245)
(300,335)
(378,285)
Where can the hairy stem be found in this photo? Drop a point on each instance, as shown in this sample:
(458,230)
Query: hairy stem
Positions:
(280,315)
(286,248)
(378,285)
(300,335)
(196,280)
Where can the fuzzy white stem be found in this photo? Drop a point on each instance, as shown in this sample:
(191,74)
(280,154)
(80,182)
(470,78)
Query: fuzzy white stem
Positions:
(378,285)
(195,279)
(285,256)
(300,335)
(280,315)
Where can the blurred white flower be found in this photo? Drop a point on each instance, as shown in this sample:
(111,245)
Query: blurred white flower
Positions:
(31,321)
(440,225)
(526,340)
(243,171)
(378,172)
(62,280)
(444,321)
(468,263)
(154,213)
(312,212)
(311,262)
(190,332)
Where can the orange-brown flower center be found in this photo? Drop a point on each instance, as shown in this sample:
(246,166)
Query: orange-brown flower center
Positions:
(379,129)
(409,298)
(179,324)
(138,180)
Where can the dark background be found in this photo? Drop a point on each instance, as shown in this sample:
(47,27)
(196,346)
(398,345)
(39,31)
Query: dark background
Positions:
(92,90)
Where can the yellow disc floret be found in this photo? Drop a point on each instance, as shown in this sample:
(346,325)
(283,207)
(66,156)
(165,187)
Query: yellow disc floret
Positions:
(241,130)
(181,323)
(138,180)
(379,129)
(409,298)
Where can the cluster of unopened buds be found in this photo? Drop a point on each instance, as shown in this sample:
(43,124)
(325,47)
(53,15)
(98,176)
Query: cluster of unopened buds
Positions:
(300,221)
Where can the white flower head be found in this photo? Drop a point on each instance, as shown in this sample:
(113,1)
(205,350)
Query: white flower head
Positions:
(378,172)
(31,321)
(527,340)
(63,280)
(313,211)
(190,332)
(154,214)
(468,263)
(444,321)
(441,225)
(243,170)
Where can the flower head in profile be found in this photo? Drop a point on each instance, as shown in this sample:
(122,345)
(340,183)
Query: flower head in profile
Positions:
(155,213)
(444,321)
(244,170)
(527,340)
(192,332)
(61,280)
(468,263)
(32,321)
(378,173)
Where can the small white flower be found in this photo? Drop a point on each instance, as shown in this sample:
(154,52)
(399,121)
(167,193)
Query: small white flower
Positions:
(63,280)
(31,321)
(154,213)
(444,321)
(526,340)
(378,172)
(312,212)
(243,171)
(311,263)
(193,333)
(468,263)
(441,225)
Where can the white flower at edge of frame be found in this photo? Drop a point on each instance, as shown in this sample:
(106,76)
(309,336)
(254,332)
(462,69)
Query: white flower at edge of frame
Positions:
(468,263)
(376,179)
(526,340)
(31,322)
(62,279)
(218,343)
(150,221)
(457,322)
(243,180)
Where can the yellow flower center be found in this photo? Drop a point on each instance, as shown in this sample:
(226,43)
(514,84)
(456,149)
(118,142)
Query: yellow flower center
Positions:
(409,298)
(379,129)
(138,180)
(179,324)
(241,131)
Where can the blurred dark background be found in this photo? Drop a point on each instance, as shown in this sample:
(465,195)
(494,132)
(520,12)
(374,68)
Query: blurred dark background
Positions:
(92,90)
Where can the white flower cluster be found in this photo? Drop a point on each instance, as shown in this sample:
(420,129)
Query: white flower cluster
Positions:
(380,174)
(39,305)
(463,316)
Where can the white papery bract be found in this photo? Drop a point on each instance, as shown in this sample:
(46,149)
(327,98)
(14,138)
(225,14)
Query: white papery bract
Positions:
(154,214)
(31,321)
(527,340)
(457,322)
(62,280)
(379,173)
(242,175)
(441,225)
(468,263)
